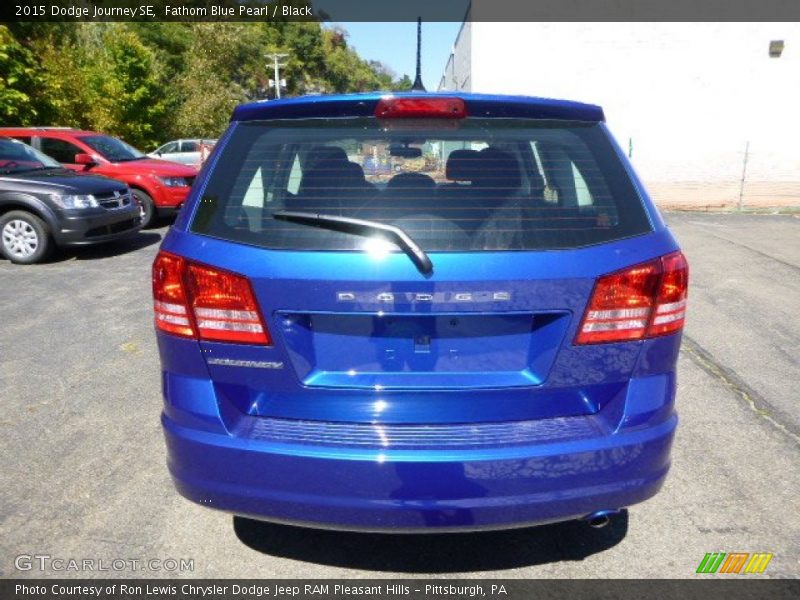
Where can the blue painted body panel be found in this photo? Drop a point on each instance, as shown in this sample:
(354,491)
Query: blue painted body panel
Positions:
(491,418)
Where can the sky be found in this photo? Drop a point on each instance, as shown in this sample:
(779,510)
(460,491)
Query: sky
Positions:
(395,45)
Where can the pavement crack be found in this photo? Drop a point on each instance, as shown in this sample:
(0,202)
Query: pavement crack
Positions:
(753,399)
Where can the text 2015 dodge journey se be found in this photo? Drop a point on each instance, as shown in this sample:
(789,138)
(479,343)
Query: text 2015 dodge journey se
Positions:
(419,312)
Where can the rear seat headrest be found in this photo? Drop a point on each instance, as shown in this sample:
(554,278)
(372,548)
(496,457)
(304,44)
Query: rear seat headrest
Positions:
(411,181)
(333,174)
(319,153)
(326,173)
(462,165)
(353,175)
(497,169)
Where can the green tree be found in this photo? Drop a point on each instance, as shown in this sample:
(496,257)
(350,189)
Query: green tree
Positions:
(404,83)
(224,67)
(149,82)
(19,81)
(345,71)
(66,96)
(131,101)
(170,41)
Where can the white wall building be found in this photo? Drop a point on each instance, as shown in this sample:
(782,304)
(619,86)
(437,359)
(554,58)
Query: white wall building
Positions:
(688,96)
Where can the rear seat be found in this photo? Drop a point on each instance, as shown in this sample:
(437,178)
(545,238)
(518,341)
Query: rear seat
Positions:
(499,194)
(320,153)
(412,202)
(410,181)
(332,185)
(461,168)
(524,218)
(405,193)
(482,182)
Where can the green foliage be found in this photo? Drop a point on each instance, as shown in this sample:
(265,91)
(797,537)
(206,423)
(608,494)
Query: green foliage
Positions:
(404,83)
(150,82)
(19,80)
(223,64)
(66,95)
(128,80)
(346,71)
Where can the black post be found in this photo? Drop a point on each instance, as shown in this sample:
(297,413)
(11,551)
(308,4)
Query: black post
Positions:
(418,85)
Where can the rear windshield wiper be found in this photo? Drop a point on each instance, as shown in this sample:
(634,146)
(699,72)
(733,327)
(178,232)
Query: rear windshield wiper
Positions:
(389,233)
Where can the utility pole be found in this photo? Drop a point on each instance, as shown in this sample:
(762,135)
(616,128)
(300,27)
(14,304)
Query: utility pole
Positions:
(744,175)
(277,66)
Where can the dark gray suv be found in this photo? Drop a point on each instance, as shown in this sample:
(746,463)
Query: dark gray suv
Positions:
(43,205)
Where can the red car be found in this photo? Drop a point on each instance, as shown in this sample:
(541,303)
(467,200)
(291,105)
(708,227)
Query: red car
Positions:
(159,186)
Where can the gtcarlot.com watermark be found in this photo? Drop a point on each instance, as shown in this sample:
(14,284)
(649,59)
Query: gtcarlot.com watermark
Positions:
(46,562)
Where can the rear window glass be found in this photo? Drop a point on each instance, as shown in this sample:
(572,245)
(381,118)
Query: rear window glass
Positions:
(497,184)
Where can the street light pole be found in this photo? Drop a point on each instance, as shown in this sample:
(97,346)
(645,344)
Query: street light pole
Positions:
(277,66)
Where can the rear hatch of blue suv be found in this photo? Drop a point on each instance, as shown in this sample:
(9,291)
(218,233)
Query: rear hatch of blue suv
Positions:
(419,312)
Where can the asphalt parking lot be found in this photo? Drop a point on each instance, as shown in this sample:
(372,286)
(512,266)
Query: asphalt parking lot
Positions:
(84,476)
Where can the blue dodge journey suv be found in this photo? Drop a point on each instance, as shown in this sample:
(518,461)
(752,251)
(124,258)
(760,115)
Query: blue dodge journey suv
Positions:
(419,312)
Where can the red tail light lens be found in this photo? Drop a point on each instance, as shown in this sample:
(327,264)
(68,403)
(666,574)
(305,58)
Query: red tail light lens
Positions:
(169,296)
(620,305)
(224,307)
(420,108)
(670,312)
(643,301)
(202,302)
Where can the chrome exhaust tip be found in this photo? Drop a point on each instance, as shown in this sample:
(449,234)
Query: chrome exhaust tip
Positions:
(601,518)
(599,522)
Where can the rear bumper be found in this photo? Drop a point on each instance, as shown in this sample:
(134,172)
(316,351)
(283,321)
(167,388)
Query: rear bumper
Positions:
(342,485)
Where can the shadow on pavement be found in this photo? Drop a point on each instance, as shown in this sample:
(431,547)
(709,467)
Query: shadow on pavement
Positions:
(109,249)
(433,553)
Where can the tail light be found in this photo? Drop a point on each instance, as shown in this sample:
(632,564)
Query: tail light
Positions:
(169,296)
(644,301)
(201,302)
(224,307)
(670,312)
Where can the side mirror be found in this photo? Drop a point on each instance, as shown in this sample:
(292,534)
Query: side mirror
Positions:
(84,159)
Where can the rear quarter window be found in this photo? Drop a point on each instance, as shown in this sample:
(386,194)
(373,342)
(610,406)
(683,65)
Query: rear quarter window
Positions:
(478,185)
(61,150)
